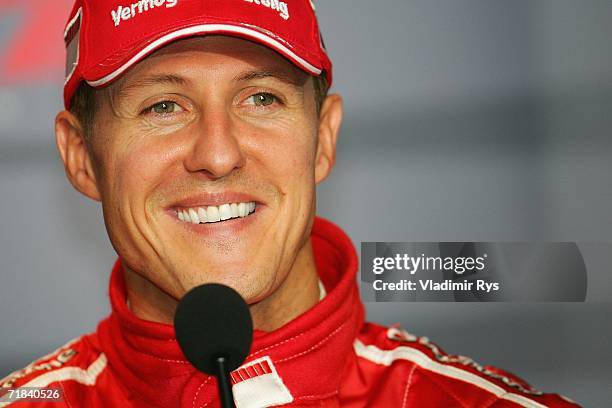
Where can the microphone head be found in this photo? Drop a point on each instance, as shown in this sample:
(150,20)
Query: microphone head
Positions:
(213,320)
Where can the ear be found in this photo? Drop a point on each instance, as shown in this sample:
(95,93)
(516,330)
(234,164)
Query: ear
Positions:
(330,120)
(70,140)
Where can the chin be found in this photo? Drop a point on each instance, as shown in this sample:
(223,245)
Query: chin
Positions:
(246,280)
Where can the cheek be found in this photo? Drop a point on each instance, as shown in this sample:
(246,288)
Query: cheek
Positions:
(291,158)
(131,168)
(138,168)
(287,153)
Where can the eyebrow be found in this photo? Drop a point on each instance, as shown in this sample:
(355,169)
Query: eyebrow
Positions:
(288,78)
(150,80)
(171,79)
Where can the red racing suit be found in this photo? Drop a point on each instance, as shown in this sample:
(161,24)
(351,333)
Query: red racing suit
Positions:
(327,357)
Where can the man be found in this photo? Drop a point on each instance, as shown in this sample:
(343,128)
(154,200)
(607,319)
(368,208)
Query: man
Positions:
(203,128)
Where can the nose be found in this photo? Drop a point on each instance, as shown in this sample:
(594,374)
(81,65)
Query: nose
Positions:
(215,151)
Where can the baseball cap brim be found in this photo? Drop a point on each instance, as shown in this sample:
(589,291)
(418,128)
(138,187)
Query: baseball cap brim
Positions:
(141,51)
(101,48)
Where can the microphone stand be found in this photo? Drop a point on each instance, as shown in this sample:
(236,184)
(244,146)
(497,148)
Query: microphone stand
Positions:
(223,381)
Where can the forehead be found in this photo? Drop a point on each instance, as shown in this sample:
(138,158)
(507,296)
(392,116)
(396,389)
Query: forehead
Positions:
(216,55)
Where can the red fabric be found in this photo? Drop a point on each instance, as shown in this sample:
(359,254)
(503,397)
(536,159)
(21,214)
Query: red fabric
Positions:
(108,42)
(316,356)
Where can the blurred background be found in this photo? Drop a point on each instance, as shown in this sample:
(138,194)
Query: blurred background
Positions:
(466,120)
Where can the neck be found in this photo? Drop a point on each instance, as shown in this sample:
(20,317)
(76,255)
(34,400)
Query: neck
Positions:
(297,293)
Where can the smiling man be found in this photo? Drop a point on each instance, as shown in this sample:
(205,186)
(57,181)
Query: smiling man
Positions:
(203,127)
(205,165)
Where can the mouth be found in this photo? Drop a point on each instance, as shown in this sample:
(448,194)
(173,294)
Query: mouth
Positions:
(215,213)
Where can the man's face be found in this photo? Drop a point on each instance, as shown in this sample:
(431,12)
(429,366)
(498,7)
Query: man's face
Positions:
(208,128)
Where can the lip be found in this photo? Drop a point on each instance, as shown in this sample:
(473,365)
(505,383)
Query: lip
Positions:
(227,228)
(216,199)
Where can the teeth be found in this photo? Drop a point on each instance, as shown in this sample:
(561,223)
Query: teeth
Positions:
(213,214)
(194,216)
(202,215)
(225,211)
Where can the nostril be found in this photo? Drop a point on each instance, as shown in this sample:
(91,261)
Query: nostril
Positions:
(216,149)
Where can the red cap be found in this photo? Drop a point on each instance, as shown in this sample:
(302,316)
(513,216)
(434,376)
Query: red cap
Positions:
(104,38)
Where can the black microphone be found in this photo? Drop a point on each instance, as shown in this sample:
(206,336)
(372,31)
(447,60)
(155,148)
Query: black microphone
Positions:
(214,330)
